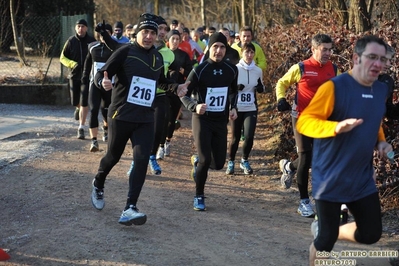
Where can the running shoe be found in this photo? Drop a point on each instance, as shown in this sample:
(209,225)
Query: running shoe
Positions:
(132,216)
(155,168)
(244,165)
(94,146)
(81,133)
(130,169)
(199,203)
(230,168)
(161,153)
(97,197)
(167,148)
(194,163)
(76,114)
(105,134)
(305,208)
(286,177)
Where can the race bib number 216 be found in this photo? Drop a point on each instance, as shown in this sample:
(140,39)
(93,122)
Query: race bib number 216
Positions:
(142,91)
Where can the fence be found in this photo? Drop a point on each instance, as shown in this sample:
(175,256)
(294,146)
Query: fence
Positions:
(42,39)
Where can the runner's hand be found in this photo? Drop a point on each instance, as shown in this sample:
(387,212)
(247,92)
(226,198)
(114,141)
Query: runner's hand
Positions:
(182,89)
(201,108)
(106,83)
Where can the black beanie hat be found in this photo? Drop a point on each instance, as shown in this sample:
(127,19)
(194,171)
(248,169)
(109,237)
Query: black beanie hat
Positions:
(172,32)
(109,27)
(118,24)
(82,21)
(217,37)
(147,21)
(160,20)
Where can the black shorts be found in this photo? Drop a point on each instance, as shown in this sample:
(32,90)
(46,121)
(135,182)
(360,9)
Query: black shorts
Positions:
(78,97)
(367,214)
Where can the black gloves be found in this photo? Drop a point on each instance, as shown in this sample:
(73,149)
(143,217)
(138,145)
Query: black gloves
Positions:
(100,28)
(283,105)
(240,87)
(259,87)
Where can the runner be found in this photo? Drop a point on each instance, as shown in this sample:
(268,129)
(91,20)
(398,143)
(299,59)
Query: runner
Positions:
(249,82)
(214,89)
(72,56)
(344,118)
(179,74)
(308,75)
(95,59)
(138,68)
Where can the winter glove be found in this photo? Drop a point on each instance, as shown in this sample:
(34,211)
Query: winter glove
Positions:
(100,28)
(240,87)
(259,87)
(283,105)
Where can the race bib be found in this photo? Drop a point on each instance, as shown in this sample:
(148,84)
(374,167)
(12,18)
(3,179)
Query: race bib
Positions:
(97,66)
(245,99)
(142,91)
(216,99)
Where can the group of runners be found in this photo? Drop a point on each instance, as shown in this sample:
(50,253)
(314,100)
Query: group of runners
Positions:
(336,117)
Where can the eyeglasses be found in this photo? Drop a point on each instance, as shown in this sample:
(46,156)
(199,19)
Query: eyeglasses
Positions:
(374,57)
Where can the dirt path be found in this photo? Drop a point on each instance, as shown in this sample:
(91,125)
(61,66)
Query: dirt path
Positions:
(47,217)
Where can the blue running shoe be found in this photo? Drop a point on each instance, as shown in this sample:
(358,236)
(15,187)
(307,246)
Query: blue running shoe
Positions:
(230,168)
(155,168)
(199,203)
(244,165)
(194,163)
(130,169)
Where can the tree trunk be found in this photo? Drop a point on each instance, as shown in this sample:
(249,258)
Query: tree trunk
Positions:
(18,45)
(156,6)
(243,18)
(359,16)
(338,6)
(203,16)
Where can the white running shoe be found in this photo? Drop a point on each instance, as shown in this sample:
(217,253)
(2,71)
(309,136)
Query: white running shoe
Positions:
(132,216)
(287,176)
(305,208)
(160,153)
(97,197)
(167,148)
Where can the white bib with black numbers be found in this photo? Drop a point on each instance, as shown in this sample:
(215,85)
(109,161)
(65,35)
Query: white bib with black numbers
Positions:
(245,99)
(216,99)
(142,91)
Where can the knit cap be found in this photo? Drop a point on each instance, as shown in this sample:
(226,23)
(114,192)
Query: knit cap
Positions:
(118,24)
(172,32)
(147,21)
(82,21)
(217,37)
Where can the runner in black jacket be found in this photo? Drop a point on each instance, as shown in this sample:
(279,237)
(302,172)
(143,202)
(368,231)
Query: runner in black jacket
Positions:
(214,88)
(95,59)
(138,68)
(73,56)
